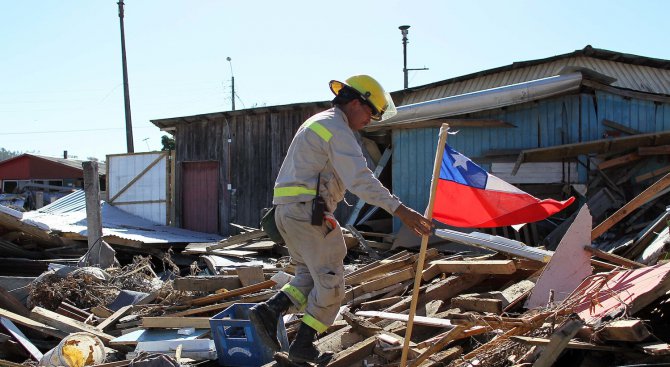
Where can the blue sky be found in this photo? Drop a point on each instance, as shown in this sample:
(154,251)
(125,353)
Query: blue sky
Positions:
(61,82)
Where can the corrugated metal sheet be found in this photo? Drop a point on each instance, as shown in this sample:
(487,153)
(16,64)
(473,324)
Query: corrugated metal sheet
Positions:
(73,202)
(636,77)
(68,215)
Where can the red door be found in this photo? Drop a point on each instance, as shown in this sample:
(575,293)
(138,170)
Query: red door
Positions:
(200,196)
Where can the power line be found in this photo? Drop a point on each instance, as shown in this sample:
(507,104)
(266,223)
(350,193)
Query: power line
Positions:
(70,131)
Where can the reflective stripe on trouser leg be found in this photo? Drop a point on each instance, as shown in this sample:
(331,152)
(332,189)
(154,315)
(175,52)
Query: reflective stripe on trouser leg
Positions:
(296,296)
(314,323)
(318,254)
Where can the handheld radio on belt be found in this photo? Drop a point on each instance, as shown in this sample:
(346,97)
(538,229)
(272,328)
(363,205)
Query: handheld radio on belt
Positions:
(318,205)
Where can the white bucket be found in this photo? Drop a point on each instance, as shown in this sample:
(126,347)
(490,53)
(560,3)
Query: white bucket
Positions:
(76,350)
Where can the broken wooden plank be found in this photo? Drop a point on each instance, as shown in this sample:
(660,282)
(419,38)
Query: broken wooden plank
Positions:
(635,203)
(361,325)
(101,312)
(5,363)
(466,303)
(353,354)
(392,280)
(379,271)
(10,303)
(657,150)
(476,266)
(558,342)
(207,283)
(380,304)
(624,330)
(655,349)
(32,324)
(652,174)
(398,287)
(67,324)
(560,152)
(73,312)
(420,320)
(400,255)
(620,127)
(572,344)
(233,240)
(395,277)
(452,335)
(234,293)
(221,306)
(619,161)
(121,312)
(447,288)
(616,259)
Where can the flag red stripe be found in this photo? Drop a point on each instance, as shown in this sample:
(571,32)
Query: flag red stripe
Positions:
(464,206)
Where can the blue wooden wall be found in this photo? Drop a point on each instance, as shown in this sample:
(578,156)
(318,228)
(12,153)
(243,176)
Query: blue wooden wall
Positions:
(555,121)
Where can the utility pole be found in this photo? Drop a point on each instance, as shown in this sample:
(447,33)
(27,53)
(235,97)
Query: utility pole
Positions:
(232,82)
(126,95)
(404,31)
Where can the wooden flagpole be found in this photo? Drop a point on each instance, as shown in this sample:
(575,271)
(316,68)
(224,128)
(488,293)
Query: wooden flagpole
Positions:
(424,242)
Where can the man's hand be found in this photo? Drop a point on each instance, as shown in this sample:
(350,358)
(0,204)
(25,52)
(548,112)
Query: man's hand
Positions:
(414,221)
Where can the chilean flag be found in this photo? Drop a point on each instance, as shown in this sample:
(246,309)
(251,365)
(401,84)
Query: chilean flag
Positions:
(469,197)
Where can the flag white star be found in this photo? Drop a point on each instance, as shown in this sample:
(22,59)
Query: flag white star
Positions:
(460,160)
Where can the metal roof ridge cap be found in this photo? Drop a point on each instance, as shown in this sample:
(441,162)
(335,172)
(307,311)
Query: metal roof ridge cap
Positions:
(496,97)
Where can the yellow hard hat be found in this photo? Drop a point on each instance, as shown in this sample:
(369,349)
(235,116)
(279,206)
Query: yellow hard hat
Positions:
(371,92)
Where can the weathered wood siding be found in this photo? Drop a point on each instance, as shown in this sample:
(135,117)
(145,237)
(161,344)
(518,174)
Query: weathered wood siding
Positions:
(249,163)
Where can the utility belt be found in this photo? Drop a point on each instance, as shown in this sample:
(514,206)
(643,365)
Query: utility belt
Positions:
(269,224)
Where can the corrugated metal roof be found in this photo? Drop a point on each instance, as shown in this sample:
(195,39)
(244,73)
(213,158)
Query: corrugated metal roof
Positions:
(74,163)
(631,72)
(68,215)
(168,123)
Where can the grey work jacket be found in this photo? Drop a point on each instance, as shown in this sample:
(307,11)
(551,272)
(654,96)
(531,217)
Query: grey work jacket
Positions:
(325,144)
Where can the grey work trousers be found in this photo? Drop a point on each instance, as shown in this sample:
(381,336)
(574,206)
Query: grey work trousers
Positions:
(318,254)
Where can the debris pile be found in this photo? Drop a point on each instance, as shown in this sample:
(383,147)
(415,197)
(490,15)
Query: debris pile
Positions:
(590,296)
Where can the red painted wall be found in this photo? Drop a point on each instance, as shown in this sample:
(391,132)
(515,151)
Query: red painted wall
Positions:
(28,167)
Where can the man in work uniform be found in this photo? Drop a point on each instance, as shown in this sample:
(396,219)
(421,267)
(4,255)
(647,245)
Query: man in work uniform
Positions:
(325,153)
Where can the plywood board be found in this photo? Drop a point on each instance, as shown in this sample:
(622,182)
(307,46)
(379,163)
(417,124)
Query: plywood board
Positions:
(569,265)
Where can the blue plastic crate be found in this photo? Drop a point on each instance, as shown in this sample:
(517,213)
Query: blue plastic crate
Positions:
(237,343)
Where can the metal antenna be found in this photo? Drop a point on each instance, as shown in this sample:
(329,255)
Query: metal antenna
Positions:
(232,81)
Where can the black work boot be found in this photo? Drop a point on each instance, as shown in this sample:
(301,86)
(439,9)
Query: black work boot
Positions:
(265,317)
(303,349)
